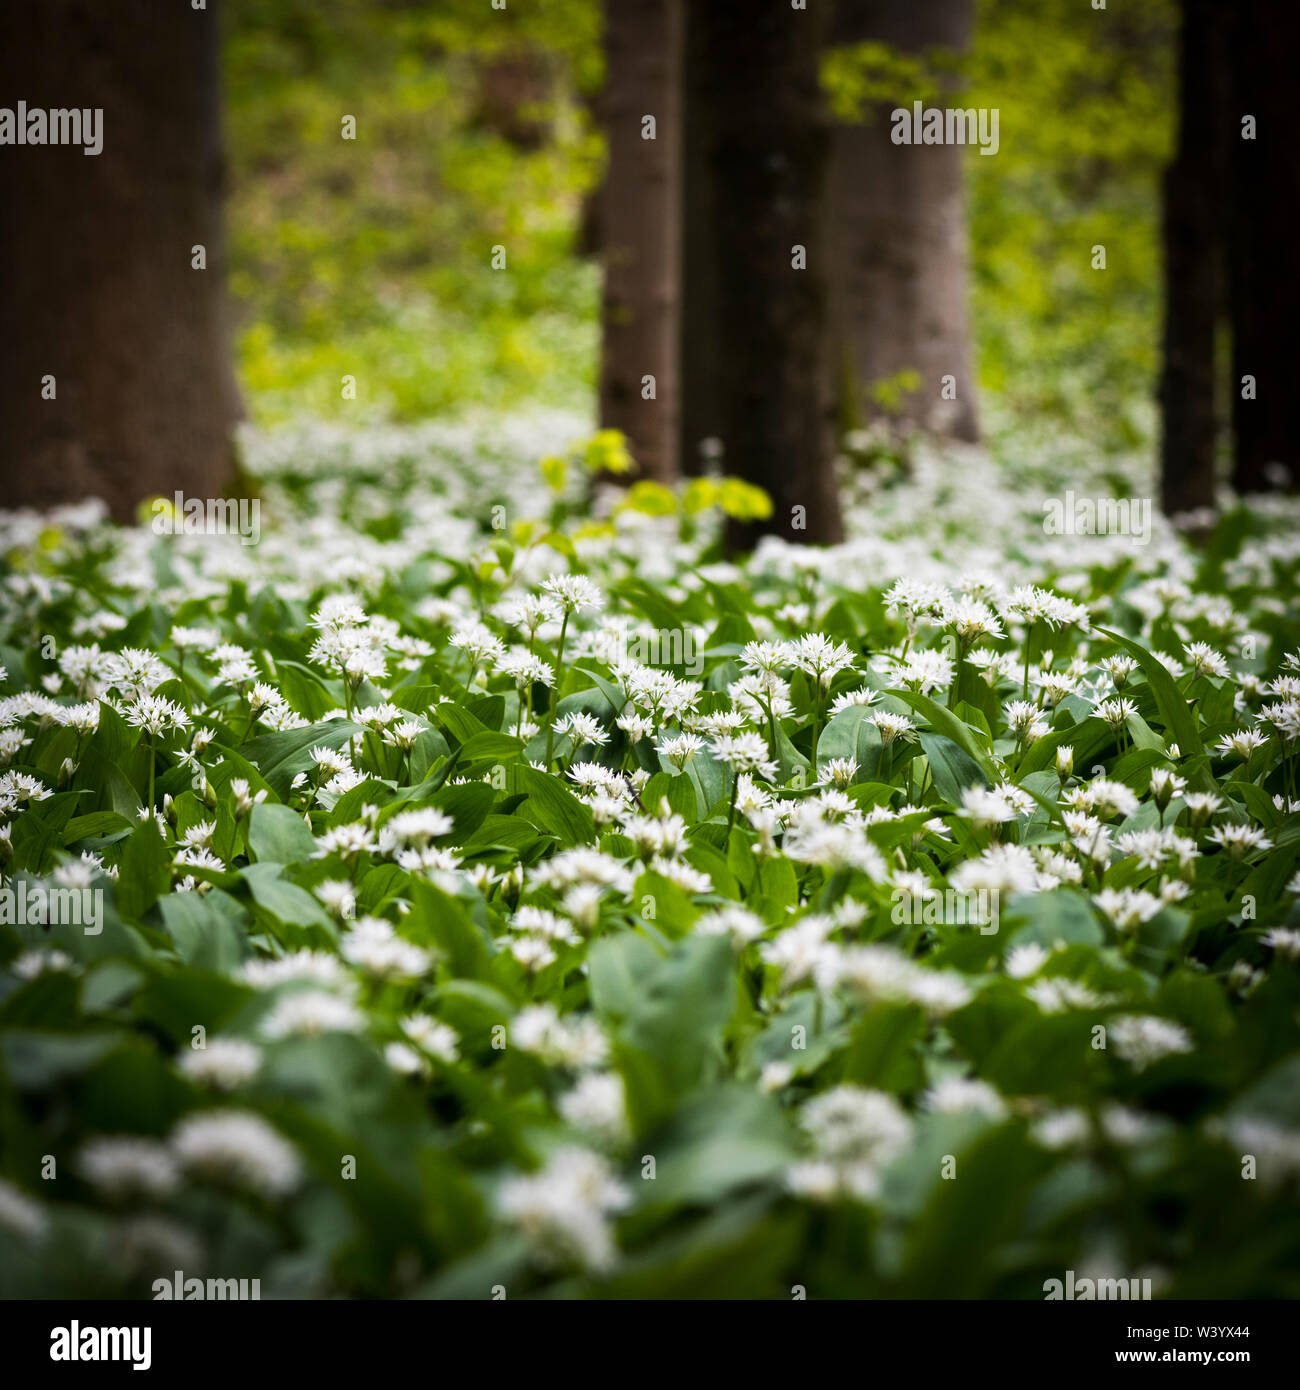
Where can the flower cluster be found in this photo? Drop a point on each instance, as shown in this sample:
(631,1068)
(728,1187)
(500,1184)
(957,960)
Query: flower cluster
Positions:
(458,907)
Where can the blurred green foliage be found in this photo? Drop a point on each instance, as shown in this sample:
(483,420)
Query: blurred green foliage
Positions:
(372,257)
(1087,101)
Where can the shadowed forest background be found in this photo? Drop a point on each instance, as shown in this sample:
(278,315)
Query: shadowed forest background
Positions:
(482,129)
(408,210)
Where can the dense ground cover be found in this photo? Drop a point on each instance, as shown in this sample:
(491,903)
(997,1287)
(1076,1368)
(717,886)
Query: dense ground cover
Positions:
(492,897)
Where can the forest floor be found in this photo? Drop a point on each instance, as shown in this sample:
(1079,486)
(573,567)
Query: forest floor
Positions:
(924,922)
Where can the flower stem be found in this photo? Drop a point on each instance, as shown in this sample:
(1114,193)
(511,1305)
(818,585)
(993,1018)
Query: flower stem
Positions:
(559,683)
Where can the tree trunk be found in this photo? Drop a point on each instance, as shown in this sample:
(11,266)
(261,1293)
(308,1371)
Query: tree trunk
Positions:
(699,348)
(899,251)
(1264,288)
(640,227)
(1194,244)
(100,302)
(512,97)
(767,157)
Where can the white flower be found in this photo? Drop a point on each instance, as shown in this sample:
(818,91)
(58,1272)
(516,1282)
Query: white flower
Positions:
(839,772)
(225,1063)
(526,670)
(775,1076)
(573,592)
(1275,1148)
(956,1095)
(1025,960)
(308,1013)
(745,752)
(893,726)
(237,1147)
(820,658)
(926,671)
(582,729)
(1205,661)
(575,1041)
(855,1133)
(374,945)
(563,1210)
(1119,669)
(533,953)
(985,807)
(1240,840)
(39,960)
(1104,797)
(732,920)
(1141,1039)
(1201,806)
(349,841)
(429,1035)
(598,1106)
(415,829)
(1128,908)
(1115,713)
(1284,940)
(126,1166)
(316,967)
(1165,785)
(20,1214)
(156,715)
(405,1060)
(1241,744)
(1001,869)
(338,897)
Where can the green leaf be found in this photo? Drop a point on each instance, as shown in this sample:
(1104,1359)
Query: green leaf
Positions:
(1178,717)
(144,872)
(278,834)
(851,734)
(280,757)
(884,1049)
(944,721)
(550,807)
(285,901)
(952,768)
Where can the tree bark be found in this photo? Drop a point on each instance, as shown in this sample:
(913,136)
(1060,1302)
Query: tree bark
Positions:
(513,88)
(767,157)
(899,247)
(699,421)
(1264,288)
(1195,245)
(641,231)
(98,290)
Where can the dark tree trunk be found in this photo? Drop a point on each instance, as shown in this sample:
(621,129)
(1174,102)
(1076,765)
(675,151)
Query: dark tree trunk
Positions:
(899,248)
(767,157)
(1264,286)
(98,291)
(1194,244)
(513,88)
(640,221)
(699,348)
